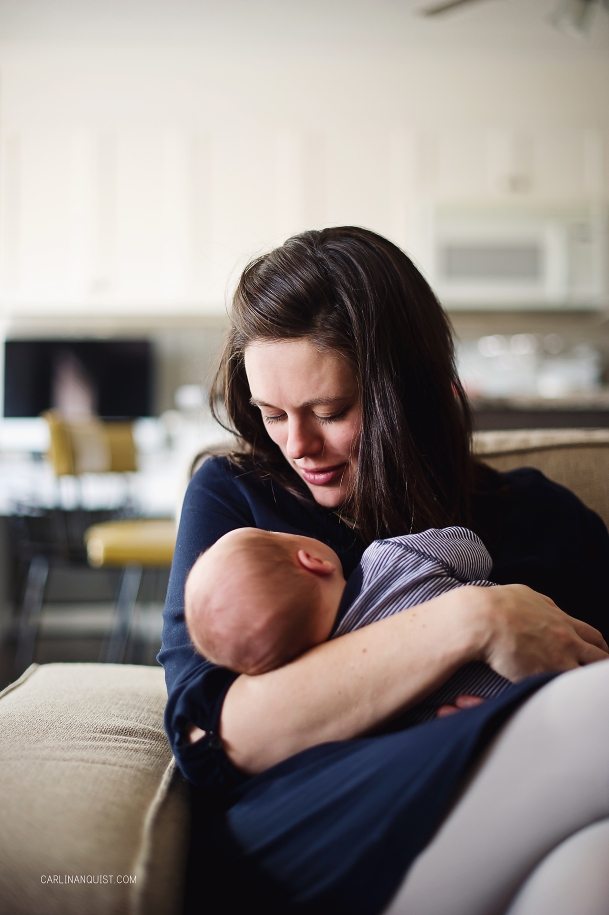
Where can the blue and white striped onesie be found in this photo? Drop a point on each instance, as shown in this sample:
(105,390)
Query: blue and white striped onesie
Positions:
(402,572)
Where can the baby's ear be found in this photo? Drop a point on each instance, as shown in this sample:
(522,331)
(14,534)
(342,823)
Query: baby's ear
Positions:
(314,564)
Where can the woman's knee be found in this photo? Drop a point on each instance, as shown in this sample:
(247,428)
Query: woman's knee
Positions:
(544,777)
(559,741)
(574,877)
(575,703)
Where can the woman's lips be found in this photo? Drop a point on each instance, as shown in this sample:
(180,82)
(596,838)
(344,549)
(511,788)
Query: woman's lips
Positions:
(323,476)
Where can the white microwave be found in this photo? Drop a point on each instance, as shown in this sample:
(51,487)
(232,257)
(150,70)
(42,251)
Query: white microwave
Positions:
(518,259)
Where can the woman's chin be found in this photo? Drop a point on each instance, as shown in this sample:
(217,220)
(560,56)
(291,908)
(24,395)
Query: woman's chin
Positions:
(327,496)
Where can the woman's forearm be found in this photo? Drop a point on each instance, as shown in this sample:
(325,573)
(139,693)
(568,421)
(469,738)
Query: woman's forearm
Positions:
(347,686)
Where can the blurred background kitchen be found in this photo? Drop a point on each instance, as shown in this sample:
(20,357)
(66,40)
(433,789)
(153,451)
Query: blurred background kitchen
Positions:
(150,148)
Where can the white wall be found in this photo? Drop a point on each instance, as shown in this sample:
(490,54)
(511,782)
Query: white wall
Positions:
(137,179)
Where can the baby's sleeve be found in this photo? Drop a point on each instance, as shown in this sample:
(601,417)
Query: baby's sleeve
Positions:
(461,552)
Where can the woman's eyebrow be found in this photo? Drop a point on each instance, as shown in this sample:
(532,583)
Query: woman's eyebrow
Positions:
(316,402)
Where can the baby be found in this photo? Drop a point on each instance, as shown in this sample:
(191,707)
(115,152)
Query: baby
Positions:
(256,599)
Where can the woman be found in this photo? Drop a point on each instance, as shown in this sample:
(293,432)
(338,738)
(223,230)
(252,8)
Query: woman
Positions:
(338,378)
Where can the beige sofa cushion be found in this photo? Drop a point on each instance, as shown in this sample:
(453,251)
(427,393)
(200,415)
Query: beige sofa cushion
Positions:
(89,790)
(576,458)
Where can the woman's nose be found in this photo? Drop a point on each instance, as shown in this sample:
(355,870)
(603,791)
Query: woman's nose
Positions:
(302,441)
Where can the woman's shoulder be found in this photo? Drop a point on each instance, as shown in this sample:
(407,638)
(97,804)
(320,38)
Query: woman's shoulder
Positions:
(529,491)
(528,512)
(238,487)
(552,512)
(252,497)
(216,469)
(532,481)
(221,477)
(541,534)
(526,491)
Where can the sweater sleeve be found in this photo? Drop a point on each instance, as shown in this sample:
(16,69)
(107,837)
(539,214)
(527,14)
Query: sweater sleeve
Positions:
(214,505)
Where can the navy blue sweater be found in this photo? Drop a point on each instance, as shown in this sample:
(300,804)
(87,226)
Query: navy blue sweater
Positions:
(538,533)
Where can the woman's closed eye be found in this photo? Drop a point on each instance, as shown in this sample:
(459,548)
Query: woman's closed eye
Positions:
(279,417)
(332,418)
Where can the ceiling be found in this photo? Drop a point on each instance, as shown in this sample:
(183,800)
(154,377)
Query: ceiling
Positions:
(293,26)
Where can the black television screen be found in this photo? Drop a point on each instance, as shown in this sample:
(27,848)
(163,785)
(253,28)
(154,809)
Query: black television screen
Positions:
(112,378)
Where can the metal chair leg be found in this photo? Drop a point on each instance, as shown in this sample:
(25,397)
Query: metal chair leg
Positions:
(123,615)
(141,647)
(29,622)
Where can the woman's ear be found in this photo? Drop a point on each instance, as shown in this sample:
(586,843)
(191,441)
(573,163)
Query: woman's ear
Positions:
(314,564)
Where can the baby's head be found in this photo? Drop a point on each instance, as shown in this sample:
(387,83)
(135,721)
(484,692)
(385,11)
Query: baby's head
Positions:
(257,599)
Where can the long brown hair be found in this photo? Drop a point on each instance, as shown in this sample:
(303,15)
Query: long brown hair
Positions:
(350,290)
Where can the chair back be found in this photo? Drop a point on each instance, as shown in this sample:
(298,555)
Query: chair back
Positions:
(90,446)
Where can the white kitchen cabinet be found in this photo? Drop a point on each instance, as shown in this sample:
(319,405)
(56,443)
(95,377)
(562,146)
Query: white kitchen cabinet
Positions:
(163,219)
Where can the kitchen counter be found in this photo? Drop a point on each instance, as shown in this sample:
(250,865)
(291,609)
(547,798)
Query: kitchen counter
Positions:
(575,411)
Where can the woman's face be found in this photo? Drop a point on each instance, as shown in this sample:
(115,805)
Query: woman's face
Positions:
(310,406)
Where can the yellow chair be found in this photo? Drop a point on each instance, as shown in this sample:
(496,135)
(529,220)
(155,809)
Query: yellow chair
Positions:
(134,545)
(75,448)
(93,446)
(146,541)
(90,446)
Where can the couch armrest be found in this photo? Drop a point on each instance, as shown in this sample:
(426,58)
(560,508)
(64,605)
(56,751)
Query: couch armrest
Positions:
(93,812)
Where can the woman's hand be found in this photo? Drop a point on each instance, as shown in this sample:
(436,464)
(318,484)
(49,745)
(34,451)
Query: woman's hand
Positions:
(193,733)
(524,633)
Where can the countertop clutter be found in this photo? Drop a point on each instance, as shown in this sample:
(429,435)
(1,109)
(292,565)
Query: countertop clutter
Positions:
(528,365)
(577,411)
(526,380)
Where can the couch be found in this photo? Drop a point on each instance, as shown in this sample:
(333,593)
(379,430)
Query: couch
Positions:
(94,815)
